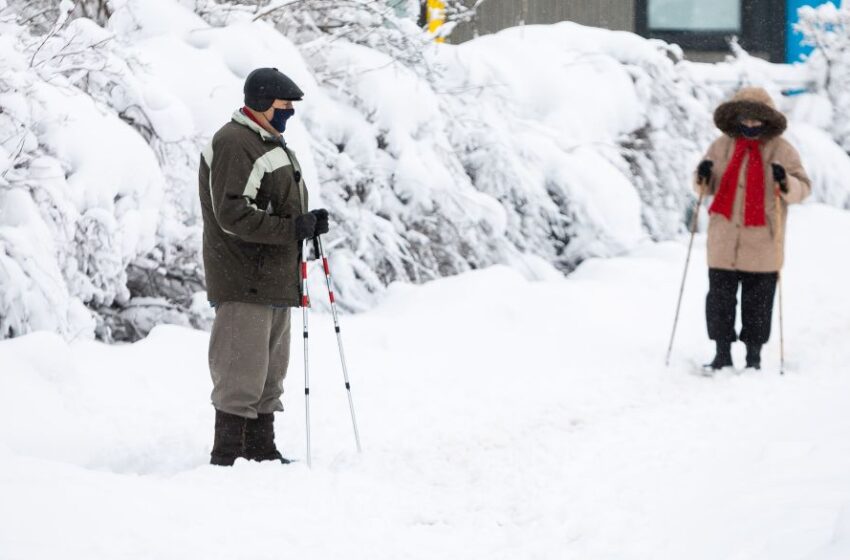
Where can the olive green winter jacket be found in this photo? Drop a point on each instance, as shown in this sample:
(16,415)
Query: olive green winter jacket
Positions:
(251,191)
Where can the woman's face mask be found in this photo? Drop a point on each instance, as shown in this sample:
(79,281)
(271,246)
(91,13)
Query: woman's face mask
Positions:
(280,117)
(750,128)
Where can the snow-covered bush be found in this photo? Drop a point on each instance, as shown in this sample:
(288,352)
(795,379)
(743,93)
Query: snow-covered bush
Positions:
(544,142)
(555,124)
(84,189)
(827,28)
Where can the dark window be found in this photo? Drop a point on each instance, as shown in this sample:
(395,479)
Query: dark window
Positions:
(695,15)
(708,25)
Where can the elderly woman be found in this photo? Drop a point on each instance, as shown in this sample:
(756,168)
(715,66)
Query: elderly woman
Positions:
(749,170)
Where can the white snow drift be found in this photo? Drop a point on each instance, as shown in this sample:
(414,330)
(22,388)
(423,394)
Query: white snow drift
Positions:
(501,418)
(557,143)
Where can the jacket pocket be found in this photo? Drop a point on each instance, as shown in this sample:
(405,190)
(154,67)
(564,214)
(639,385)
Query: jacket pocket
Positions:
(274,261)
(253,257)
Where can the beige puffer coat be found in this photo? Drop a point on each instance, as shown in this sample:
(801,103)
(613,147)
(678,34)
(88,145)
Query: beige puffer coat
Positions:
(731,244)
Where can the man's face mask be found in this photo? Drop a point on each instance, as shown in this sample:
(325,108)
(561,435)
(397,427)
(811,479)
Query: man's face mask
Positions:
(280,117)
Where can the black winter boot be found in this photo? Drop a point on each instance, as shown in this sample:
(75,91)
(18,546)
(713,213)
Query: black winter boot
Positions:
(229,439)
(723,356)
(259,440)
(754,356)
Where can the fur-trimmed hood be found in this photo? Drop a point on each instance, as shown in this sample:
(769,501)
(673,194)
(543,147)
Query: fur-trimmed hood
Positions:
(753,103)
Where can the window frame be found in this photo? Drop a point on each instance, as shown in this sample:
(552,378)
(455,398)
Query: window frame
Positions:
(763,30)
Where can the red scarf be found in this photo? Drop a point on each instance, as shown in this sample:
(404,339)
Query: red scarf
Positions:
(724,200)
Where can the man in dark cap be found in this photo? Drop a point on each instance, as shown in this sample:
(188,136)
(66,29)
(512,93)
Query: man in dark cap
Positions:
(254,206)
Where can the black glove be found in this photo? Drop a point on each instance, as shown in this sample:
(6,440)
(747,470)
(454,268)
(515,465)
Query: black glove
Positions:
(704,171)
(780,176)
(305,226)
(321,221)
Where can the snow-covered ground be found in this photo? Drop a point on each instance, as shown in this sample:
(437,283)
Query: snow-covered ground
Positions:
(501,418)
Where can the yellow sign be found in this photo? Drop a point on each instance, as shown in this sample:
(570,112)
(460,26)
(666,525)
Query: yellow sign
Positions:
(436,17)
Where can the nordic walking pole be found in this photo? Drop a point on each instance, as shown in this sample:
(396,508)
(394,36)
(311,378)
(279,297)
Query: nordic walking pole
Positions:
(779,226)
(320,251)
(694,220)
(305,304)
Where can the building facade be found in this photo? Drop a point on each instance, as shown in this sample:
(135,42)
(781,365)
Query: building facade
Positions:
(702,27)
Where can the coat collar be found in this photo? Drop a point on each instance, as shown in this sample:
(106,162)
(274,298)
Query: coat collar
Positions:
(241,118)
